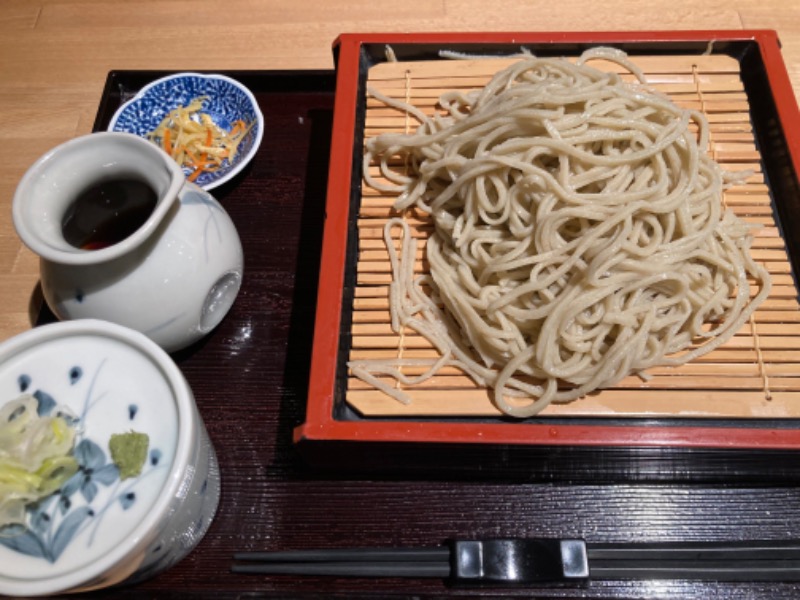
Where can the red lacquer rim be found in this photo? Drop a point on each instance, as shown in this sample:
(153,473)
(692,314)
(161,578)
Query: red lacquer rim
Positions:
(320,424)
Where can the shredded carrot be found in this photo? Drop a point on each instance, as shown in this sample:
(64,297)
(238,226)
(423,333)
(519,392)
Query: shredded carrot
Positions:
(194,141)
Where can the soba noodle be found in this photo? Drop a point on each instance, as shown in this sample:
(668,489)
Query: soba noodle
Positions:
(579,235)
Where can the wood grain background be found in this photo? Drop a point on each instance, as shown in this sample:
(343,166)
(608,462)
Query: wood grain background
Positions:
(54,56)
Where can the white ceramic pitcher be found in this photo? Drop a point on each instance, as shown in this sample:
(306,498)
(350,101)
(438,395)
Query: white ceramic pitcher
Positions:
(173,279)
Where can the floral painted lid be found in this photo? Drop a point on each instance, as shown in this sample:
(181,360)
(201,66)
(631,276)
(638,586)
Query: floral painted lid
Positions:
(106,378)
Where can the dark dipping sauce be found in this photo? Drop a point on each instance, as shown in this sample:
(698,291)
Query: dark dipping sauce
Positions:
(107,212)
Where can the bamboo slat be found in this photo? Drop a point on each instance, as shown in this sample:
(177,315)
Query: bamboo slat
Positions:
(756,374)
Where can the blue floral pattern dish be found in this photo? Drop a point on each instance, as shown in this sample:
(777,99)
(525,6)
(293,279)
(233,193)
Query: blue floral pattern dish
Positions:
(100,529)
(228,100)
(55,521)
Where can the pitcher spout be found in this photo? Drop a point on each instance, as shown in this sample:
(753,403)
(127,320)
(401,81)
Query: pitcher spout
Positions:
(82,179)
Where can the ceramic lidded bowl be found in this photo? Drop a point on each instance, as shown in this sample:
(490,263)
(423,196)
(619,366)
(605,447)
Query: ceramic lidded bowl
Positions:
(227,101)
(100,529)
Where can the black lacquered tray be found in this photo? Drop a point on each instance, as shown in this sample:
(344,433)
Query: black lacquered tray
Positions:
(251,379)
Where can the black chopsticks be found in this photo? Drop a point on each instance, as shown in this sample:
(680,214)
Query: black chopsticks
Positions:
(722,561)
(350,562)
(523,561)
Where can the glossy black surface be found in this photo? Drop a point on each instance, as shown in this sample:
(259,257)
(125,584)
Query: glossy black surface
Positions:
(250,379)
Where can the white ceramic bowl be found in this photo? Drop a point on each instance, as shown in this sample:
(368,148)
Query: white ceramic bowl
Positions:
(228,100)
(99,530)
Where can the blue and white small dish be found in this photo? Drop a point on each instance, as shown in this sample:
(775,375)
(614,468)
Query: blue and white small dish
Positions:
(101,527)
(228,101)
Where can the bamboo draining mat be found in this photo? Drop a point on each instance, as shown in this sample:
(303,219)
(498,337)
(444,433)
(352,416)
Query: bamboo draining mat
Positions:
(756,374)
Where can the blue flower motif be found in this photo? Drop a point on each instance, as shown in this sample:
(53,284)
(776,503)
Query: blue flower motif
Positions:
(46,403)
(24,381)
(75,374)
(127,500)
(57,519)
(92,470)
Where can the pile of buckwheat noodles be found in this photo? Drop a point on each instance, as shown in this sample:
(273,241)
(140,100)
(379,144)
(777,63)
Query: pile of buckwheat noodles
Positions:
(579,235)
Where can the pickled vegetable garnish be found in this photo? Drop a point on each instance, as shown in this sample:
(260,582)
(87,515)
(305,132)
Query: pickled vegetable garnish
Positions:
(35,456)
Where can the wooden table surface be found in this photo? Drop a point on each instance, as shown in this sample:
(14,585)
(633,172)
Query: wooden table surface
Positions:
(54,59)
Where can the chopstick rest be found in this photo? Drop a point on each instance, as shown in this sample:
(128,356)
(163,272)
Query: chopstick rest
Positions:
(517,561)
(479,561)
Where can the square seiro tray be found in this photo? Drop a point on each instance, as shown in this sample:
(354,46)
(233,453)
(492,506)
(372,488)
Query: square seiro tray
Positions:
(737,410)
